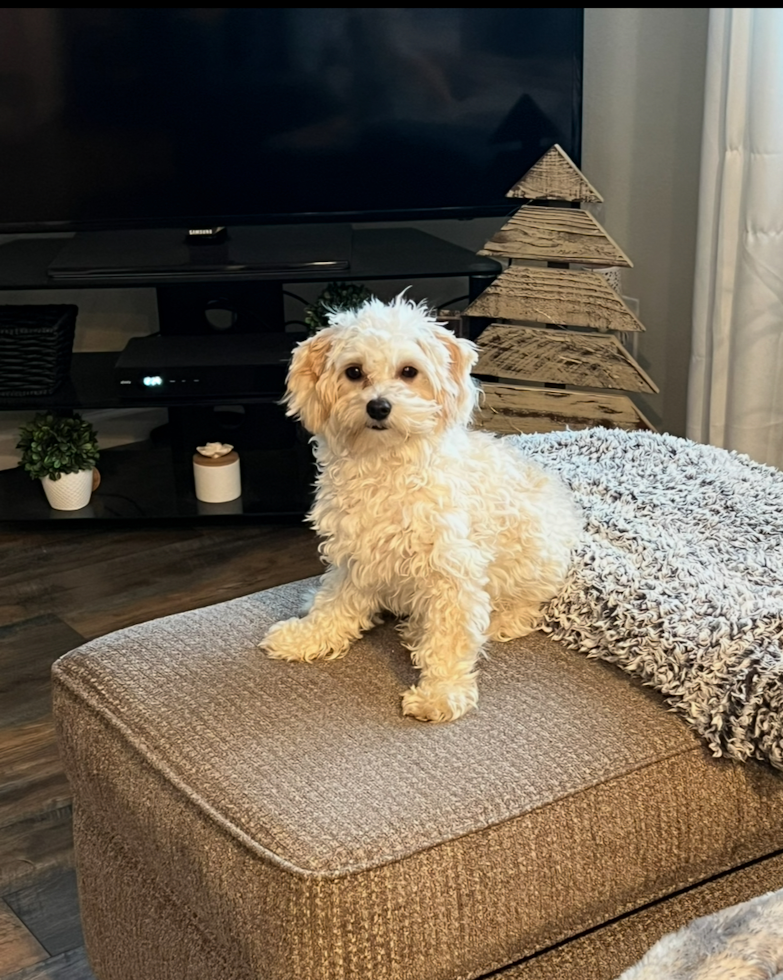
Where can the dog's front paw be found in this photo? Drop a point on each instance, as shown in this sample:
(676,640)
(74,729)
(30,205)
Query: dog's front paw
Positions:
(300,639)
(440,700)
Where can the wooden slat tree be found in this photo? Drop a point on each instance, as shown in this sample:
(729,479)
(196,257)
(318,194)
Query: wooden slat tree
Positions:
(534,305)
(555,178)
(555,234)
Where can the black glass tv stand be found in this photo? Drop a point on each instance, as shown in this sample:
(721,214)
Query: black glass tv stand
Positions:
(162,254)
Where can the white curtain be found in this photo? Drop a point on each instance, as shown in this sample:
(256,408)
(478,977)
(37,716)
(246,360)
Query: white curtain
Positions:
(735,394)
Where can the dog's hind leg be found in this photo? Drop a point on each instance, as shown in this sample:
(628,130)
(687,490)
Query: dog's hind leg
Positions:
(513,621)
(339,614)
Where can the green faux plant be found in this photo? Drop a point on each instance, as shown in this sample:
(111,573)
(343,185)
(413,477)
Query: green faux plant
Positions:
(336,296)
(56,444)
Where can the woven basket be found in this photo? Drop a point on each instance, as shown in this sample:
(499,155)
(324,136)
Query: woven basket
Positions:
(35,348)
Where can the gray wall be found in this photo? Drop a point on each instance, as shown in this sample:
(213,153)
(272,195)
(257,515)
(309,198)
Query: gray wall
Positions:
(644,97)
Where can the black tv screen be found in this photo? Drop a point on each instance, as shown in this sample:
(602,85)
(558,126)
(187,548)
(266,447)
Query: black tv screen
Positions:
(144,117)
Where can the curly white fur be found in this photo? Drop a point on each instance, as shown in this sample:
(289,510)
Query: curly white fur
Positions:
(453,530)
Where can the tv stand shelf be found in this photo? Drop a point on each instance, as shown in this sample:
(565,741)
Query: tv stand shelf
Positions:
(153,482)
(91,385)
(377,253)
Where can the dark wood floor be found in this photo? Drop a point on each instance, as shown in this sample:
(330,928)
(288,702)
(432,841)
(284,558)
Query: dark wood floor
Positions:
(58,588)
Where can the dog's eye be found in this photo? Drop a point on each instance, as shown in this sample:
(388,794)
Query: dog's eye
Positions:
(354,373)
(409,372)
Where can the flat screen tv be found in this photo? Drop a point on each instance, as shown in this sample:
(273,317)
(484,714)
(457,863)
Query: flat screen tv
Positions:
(135,118)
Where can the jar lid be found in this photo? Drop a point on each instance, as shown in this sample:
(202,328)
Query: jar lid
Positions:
(232,457)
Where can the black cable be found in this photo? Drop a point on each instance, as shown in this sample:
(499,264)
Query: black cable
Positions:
(239,311)
(457,299)
(299,299)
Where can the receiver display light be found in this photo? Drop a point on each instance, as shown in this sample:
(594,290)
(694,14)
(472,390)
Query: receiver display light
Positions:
(152,381)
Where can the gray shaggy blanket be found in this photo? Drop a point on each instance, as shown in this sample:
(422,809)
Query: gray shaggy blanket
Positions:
(680,578)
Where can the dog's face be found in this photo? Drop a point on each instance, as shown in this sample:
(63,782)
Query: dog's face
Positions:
(382,374)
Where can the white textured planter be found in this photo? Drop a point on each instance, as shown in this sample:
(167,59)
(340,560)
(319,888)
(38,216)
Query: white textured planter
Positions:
(71,492)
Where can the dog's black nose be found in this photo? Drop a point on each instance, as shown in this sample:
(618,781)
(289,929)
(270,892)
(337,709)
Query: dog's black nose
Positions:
(378,409)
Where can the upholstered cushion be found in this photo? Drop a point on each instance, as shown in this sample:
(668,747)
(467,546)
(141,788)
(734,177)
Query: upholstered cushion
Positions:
(300,827)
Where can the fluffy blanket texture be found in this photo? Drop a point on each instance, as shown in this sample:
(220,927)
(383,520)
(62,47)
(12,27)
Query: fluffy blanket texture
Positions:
(680,579)
(744,942)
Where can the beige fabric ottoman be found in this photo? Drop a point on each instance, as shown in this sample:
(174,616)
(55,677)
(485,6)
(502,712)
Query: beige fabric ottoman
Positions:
(237,817)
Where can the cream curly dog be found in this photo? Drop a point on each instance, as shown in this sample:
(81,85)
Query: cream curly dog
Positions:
(451,529)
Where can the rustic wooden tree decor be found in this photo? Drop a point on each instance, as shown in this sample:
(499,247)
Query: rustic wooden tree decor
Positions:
(536,354)
(556,234)
(555,178)
(513,409)
(536,303)
(555,296)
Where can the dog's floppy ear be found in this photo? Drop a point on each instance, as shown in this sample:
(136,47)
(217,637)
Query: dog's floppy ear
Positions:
(461,395)
(306,394)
